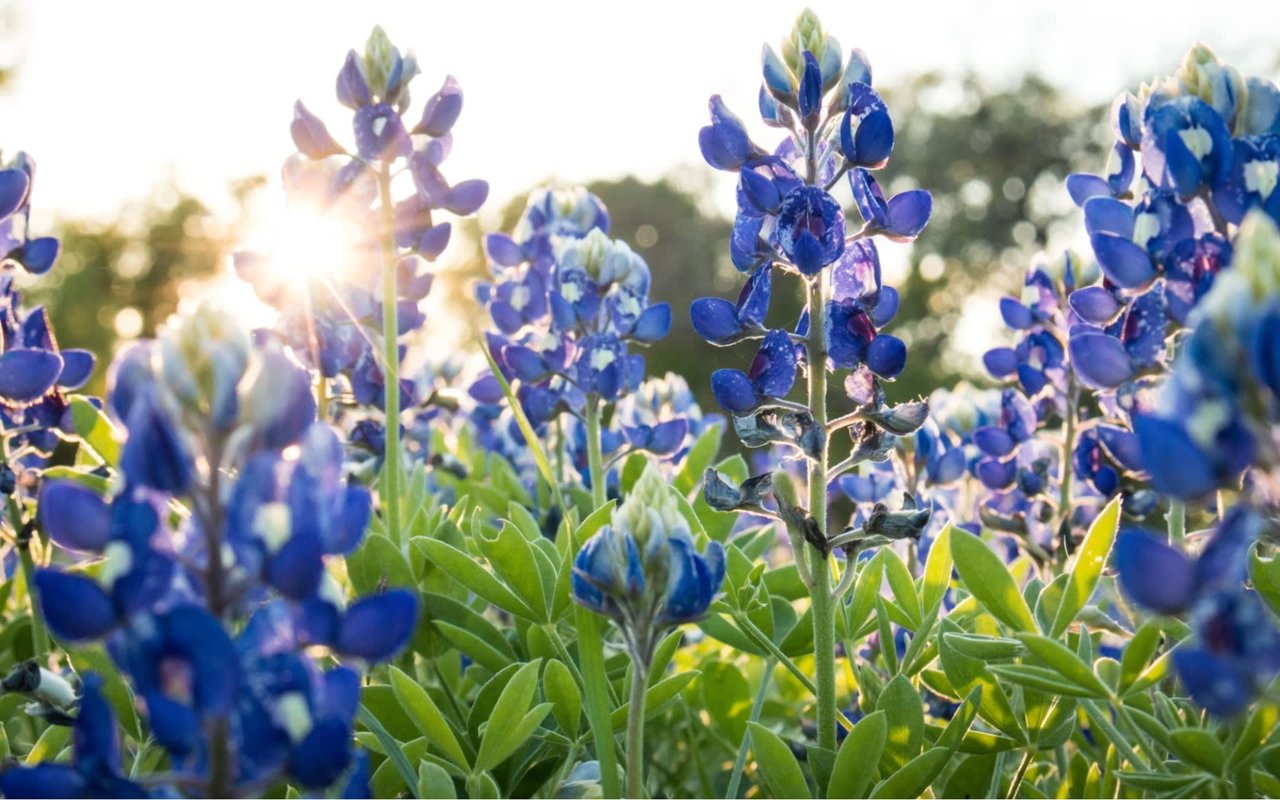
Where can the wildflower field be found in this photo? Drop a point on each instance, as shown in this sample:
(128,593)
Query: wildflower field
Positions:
(313,554)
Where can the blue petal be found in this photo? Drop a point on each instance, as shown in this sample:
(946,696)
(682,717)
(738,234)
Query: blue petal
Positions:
(376,628)
(1099,360)
(43,781)
(295,571)
(441,110)
(907,214)
(668,436)
(74,517)
(197,634)
(1095,304)
(886,308)
(352,88)
(39,255)
(323,754)
(467,197)
(996,474)
(310,135)
(27,375)
(1015,314)
(1123,261)
(14,185)
(77,367)
(74,607)
(1082,186)
(654,323)
(887,356)
(1001,362)
(733,389)
(1153,574)
(525,363)
(503,250)
(773,372)
(1122,445)
(1176,464)
(1214,683)
(994,441)
(1108,215)
(753,301)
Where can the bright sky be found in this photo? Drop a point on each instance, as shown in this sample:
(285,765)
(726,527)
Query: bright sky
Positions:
(112,97)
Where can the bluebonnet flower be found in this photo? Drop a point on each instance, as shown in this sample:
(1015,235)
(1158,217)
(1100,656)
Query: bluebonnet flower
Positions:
(210,620)
(95,769)
(35,372)
(332,327)
(643,571)
(1215,416)
(571,306)
(1235,649)
(788,221)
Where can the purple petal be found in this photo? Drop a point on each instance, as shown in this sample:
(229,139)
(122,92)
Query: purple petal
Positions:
(1123,261)
(1095,304)
(1015,314)
(1001,362)
(467,197)
(442,109)
(503,250)
(1108,215)
(907,214)
(1082,186)
(14,186)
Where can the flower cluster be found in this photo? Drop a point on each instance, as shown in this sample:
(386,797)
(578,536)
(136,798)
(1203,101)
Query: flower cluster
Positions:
(569,304)
(34,371)
(333,328)
(643,570)
(788,222)
(1195,152)
(1217,414)
(211,545)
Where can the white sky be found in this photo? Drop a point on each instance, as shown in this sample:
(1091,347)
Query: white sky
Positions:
(112,96)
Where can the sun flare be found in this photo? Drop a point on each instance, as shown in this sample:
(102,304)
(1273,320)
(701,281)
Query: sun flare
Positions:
(308,246)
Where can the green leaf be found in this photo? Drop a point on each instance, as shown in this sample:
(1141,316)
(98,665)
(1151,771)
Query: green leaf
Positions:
(987,579)
(727,698)
(778,766)
(699,457)
(656,699)
(904,714)
(94,659)
(1265,574)
(915,777)
(51,743)
(858,759)
(377,561)
(937,570)
(434,782)
(1138,652)
(96,431)
(508,725)
(965,672)
(464,569)
(1091,557)
(1200,747)
(565,697)
(475,648)
(511,556)
(985,648)
(962,720)
(902,586)
(1163,783)
(1040,678)
(1065,662)
(426,715)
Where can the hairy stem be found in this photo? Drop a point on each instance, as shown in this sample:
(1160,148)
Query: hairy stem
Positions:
(391,358)
(635,729)
(1176,518)
(824,607)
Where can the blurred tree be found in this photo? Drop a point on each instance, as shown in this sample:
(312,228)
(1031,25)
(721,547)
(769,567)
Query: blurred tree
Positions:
(121,278)
(996,160)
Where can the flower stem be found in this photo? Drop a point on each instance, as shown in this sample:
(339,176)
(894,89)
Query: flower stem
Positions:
(590,641)
(1027,758)
(741,762)
(391,358)
(1177,521)
(824,607)
(635,729)
(1068,449)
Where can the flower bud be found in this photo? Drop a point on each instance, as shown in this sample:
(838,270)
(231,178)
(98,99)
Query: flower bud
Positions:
(806,35)
(203,356)
(1205,76)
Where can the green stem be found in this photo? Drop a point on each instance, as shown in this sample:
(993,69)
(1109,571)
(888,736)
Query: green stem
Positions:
(1176,518)
(1027,758)
(1099,717)
(391,359)
(760,637)
(1068,448)
(590,640)
(635,729)
(322,397)
(740,764)
(823,606)
(39,634)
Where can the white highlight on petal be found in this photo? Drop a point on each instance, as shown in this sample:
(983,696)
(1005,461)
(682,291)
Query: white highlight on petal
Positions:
(1197,140)
(1260,177)
(601,358)
(272,525)
(379,125)
(1145,228)
(292,714)
(117,561)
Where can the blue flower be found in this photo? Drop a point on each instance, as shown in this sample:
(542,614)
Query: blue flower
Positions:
(725,143)
(866,133)
(1185,144)
(810,229)
(723,323)
(95,770)
(900,218)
